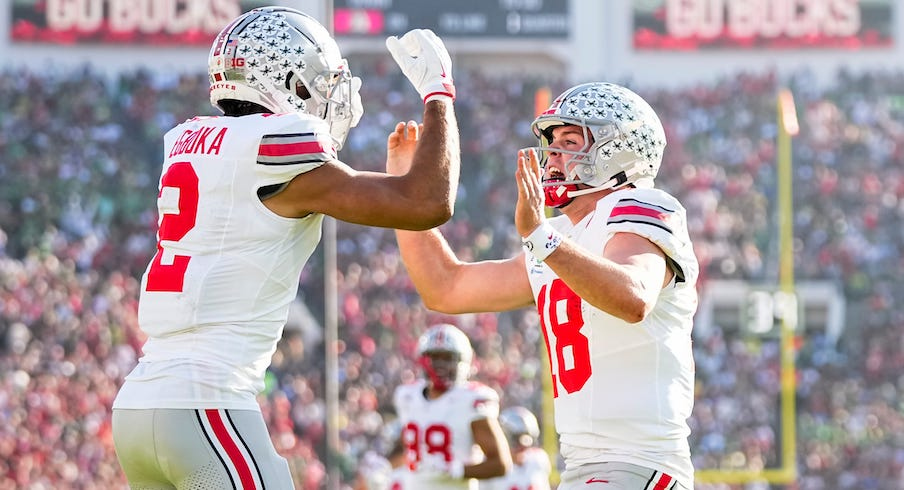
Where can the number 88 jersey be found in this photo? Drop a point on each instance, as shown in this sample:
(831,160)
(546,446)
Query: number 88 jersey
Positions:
(437,432)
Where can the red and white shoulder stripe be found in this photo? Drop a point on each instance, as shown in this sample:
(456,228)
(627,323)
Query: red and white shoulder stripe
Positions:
(295,148)
(637,211)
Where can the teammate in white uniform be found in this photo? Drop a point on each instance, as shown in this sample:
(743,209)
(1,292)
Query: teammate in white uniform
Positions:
(385,469)
(531,466)
(613,278)
(450,426)
(241,202)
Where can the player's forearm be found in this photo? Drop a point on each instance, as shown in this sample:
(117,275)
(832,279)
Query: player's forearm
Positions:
(606,285)
(431,264)
(489,468)
(433,176)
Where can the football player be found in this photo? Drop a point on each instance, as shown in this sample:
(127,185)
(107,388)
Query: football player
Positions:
(531,466)
(384,469)
(450,426)
(241,200)
(613,278)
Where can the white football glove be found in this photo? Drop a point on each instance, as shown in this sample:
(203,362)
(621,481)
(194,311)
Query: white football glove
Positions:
(423,58)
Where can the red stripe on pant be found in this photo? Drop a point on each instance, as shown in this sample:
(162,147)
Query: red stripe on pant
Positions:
(232,450)
(663,482)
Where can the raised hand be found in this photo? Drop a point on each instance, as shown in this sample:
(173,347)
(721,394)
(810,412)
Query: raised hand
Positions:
(423,58)
(538,236)
(529,210)
(400,146)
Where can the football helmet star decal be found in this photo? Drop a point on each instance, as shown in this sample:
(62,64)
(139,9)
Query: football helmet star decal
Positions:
(285,61)
(623,140)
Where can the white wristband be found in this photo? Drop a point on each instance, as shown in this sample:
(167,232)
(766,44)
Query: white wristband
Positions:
(456,470)
(542,241)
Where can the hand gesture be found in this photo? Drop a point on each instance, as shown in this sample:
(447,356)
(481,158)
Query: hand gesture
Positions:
(530,210)
(400,147)
(424,60)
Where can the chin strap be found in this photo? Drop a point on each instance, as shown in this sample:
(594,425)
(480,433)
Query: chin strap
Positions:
(558,196)
(437,382)
(590,190)
(562,195)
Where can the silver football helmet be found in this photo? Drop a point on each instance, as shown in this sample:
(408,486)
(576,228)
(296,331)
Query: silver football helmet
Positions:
(285,61)
(445,353)
(624,139)
(520,425)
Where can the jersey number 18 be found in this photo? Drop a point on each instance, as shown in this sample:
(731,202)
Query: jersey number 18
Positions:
(560,314)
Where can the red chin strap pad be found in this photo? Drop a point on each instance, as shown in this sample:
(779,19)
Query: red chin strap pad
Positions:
(438,383)
(556,200)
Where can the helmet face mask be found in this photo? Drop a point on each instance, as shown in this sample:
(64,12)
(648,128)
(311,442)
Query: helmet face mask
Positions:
(623,139)
(442,368)
(444,353)
(285,61)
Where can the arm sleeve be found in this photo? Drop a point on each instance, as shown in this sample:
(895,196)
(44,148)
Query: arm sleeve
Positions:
(660,218)
(484,402)
(294,145)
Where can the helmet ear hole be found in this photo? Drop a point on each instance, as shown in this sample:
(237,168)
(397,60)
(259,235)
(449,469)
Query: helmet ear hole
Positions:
(300,89)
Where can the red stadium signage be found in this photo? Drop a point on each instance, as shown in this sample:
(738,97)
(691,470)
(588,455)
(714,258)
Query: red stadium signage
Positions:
(123,21)
(762,24)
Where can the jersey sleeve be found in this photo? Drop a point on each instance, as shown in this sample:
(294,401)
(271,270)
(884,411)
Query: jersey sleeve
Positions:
(398,400)
(659,217)
(292,144)
(538,460)
(484,401)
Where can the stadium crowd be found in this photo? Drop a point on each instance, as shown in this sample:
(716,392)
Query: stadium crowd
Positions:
(79,163)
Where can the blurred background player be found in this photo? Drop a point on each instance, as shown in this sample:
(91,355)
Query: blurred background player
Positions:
(241,203)
(384,468)
(531,466)
(396,458)
(374,472)
(450,426)
(613,278)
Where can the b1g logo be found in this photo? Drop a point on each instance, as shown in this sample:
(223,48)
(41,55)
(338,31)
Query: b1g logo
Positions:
(236,63)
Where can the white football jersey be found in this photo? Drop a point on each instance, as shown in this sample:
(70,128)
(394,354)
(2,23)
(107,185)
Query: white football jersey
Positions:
(623,392)
(436,432)
(215,297)
(532,473)
(397,478)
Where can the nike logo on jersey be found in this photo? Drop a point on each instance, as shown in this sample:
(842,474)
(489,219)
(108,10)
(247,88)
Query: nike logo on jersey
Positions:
(596,480)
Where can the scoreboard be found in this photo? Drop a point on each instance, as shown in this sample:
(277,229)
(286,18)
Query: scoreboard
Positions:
(453,19)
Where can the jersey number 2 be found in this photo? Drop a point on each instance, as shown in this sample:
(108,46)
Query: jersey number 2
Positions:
(174,226)
(565,325)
